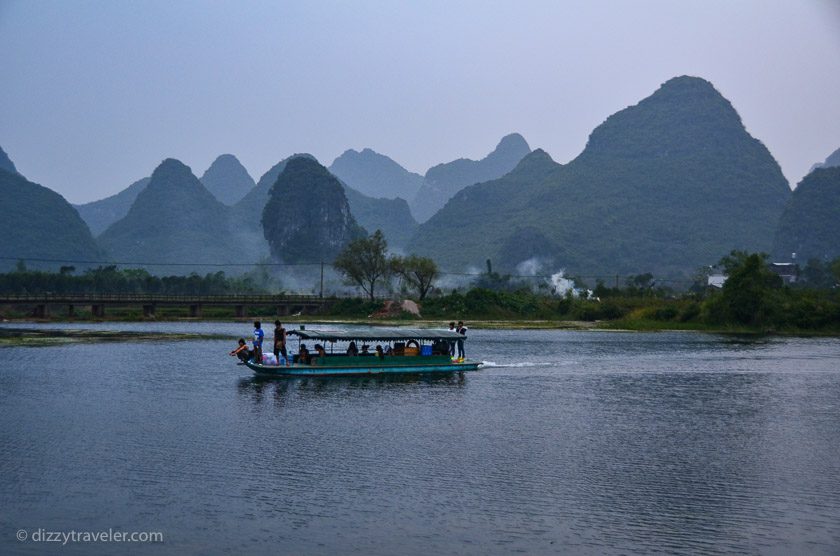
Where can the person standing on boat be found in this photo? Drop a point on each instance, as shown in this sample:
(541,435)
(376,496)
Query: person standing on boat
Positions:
(280,341)
(258,341)
(462,330)
(452,342)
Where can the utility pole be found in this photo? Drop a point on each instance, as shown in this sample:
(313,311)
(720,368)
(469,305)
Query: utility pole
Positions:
(322,281)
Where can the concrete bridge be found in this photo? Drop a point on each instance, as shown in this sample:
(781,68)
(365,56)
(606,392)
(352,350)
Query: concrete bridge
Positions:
(40,304)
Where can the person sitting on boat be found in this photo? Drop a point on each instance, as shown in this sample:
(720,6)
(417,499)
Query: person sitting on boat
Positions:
(319,349)
(379,352)
(365,349)
(242,352)
(352,350)
(303,355)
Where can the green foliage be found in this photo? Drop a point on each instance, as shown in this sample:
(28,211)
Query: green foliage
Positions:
(747,296)
(418,273)
(353,307)
(495,304)
(817,274)
(364,263)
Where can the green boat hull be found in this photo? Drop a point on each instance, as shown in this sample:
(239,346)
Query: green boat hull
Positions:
(412,365)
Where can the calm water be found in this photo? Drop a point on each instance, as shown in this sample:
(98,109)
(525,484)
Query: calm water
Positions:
(567,442)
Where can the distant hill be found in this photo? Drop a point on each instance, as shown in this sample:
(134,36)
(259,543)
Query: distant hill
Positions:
(248,210)
(307,217)
(665,186)
(445,180)
(375,175)
(6,163)
(810,224)
(176,220)
(104,212)
(830,162)
(392,216)
(227,179)
(39,223)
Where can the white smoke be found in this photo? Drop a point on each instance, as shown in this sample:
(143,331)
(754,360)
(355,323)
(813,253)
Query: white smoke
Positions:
(562,286)
(557,282)
(530,267)
(448,282)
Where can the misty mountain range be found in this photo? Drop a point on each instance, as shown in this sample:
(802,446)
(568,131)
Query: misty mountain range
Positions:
(667,185)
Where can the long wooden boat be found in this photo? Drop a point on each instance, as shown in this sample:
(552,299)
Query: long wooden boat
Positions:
(412,351)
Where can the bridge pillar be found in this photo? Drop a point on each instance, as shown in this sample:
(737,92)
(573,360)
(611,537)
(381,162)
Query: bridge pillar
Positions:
(71,310)
(239,311)
(148,311)
(41,311)
(97,310)
(195,310)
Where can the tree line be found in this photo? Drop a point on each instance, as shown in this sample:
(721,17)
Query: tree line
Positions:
(753,296)
(110,279)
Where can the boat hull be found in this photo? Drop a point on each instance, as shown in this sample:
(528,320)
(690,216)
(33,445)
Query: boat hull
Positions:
(384,369)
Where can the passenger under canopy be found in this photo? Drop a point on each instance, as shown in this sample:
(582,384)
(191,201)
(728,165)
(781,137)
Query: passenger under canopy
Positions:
(377,335)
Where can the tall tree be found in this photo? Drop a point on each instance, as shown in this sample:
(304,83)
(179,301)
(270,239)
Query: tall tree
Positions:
(747,294)
(419,273)
(364,262)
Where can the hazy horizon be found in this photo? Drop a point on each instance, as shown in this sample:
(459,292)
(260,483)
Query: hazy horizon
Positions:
(98,93)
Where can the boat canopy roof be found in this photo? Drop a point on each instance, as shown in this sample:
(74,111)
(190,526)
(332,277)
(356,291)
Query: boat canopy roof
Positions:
(377,334)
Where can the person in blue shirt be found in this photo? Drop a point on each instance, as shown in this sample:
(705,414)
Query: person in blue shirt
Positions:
(258,340)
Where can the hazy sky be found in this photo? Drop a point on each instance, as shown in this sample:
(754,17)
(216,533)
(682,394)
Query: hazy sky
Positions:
(96,93)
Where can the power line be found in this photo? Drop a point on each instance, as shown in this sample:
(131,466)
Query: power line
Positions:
(606,276)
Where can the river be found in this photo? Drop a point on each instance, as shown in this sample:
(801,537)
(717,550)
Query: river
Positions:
(565,442)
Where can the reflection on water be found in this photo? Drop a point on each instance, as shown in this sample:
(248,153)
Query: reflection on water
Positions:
(329,386)
(566,442)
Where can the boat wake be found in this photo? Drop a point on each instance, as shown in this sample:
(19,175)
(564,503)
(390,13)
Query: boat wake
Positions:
(522,364)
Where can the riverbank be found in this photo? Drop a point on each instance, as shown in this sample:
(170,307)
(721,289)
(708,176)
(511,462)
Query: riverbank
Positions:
(27,336)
